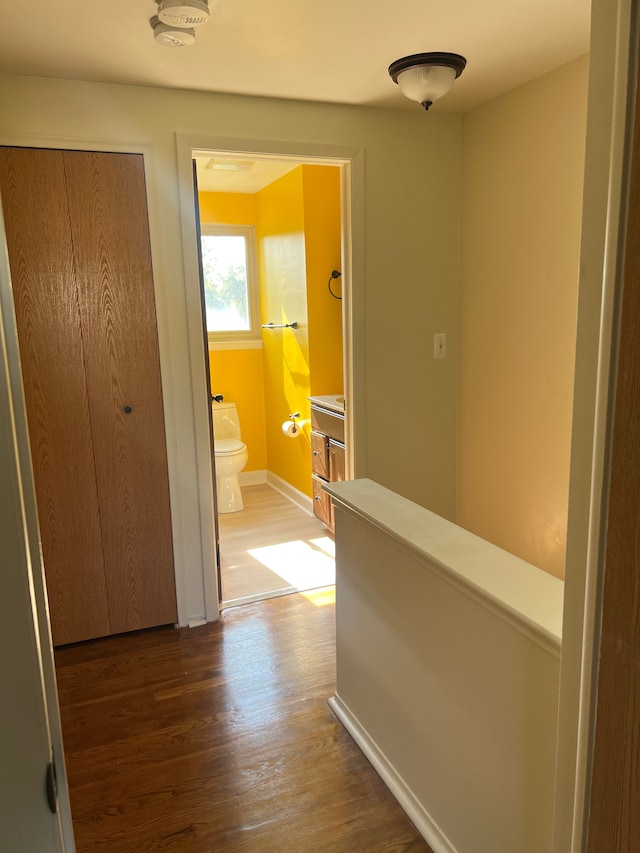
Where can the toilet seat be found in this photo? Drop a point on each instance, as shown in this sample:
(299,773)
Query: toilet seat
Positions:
(228,446)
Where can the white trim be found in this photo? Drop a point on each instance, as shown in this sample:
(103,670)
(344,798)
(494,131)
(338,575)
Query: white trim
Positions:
(252,478)
(416,812)
(208,580)
(234,345)
(351,161)
(295,496)
(352,183)
(167,381)
(614,34)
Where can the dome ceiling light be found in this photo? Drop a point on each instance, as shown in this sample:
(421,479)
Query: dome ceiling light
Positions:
(424,77)
(177,20)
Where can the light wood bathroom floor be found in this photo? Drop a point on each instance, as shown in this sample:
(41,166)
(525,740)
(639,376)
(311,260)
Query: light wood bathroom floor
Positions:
(272,548)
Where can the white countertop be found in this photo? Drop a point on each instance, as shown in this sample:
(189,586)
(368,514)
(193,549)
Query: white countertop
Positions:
(332,402)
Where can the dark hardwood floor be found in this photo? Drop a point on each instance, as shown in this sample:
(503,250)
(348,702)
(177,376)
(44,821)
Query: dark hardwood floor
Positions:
(219,739)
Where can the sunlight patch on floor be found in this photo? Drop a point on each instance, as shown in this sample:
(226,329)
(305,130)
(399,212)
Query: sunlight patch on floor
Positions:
(297,563)
(321,597)
(325,544)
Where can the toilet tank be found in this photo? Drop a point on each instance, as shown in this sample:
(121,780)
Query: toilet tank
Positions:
(225,420)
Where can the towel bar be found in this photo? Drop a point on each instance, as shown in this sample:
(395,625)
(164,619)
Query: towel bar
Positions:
(279,325)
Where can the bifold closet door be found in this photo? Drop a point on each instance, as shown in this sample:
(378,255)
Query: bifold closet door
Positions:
(34,198)
(110,227)
(79,252)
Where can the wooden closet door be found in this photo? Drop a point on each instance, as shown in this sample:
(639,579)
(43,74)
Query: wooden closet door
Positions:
(109,223)
(34,200)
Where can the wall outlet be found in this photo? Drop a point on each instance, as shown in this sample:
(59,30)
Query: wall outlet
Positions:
(439,345)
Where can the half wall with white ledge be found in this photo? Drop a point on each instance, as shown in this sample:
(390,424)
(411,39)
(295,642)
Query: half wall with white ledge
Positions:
(447,671)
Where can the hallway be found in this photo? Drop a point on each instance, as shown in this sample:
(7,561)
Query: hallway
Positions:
(219,739)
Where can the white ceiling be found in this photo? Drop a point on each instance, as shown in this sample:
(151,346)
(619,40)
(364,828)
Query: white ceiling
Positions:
(328,50)
(259,172)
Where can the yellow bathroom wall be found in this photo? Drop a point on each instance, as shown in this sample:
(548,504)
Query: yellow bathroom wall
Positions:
(237,373)
(321,201)
(227,208)
(297,221)
(283,299)
(523,161)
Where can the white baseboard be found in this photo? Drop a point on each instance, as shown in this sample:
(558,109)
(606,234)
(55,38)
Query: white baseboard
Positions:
(302,501)
(252,478)
(415,810)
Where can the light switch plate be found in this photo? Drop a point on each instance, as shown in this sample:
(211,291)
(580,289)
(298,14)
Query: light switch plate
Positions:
(439,345)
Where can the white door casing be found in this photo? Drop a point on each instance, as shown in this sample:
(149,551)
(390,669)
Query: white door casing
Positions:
(351,161)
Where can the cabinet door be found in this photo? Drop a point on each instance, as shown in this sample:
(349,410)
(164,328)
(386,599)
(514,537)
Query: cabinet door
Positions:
(319,455)
(109,222)
(52,355)
(336,461)
(321,501)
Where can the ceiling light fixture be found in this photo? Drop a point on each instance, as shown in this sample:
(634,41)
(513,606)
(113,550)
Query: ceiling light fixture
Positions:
(424,77)
(230,165)
(171,36)
(186,14)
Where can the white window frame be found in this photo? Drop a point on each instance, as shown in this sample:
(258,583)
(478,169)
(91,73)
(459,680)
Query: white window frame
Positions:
(251,336)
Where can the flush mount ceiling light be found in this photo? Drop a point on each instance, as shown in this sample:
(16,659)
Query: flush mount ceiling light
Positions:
(423,77)
(171,36)
(186,14)
(230,165)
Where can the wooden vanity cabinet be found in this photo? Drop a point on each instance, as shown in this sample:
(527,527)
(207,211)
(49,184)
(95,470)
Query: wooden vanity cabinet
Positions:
(327,460)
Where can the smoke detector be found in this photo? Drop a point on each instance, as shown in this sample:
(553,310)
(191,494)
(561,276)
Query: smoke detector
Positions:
(172,36)
(184,14)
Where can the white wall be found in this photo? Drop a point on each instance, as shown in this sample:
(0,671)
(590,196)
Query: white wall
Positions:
(405,281)
(447,672)
(523,169)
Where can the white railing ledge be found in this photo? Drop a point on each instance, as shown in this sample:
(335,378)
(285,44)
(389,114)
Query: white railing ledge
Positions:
(529,598)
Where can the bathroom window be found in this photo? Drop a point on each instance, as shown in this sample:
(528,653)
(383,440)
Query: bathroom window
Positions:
(230,282)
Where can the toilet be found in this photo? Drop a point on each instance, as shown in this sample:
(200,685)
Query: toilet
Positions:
(231,455)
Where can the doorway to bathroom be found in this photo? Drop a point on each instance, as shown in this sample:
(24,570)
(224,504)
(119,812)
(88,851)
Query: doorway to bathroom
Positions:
(275,334)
